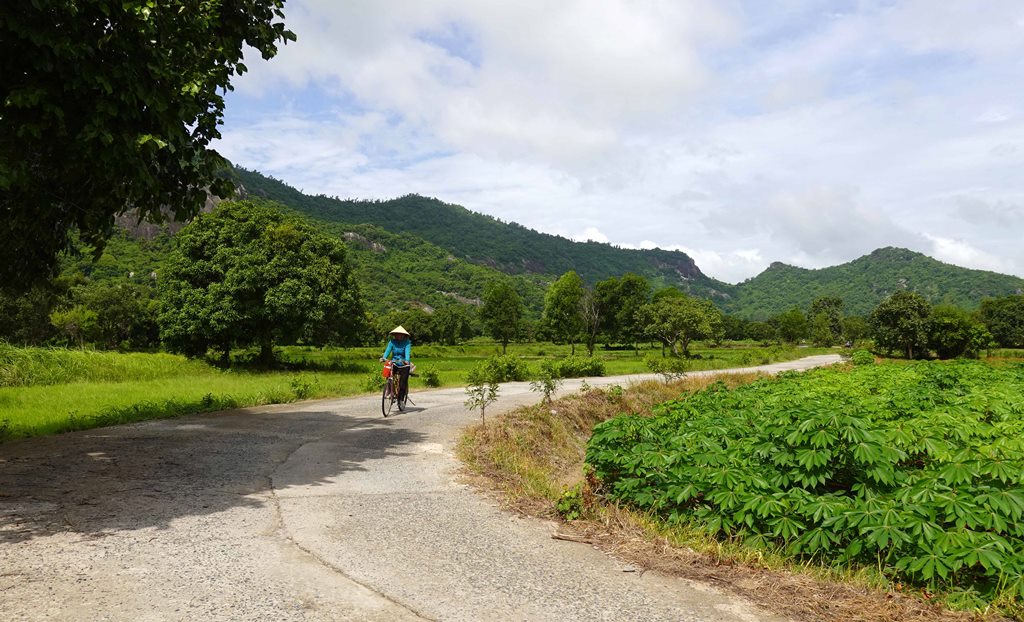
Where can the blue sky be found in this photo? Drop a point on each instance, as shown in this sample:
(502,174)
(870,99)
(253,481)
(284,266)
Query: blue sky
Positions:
(802,131)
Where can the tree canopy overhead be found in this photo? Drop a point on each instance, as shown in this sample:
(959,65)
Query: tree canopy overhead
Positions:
(110,105)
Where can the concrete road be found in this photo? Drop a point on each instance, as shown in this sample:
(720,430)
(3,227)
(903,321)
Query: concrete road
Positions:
(312,511)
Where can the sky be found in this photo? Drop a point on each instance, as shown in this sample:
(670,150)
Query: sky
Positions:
(741,132)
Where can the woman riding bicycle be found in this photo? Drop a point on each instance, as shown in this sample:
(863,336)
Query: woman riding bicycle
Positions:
(400,351)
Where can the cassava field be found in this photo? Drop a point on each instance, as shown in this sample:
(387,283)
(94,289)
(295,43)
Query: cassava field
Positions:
(896,477)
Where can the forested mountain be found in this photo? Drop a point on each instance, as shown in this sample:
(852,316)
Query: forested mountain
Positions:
(483,240)
(864,282)
(397,271)
(394,271)
(419,252)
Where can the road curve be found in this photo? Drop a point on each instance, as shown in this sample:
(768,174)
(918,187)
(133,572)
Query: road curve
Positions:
(311,511)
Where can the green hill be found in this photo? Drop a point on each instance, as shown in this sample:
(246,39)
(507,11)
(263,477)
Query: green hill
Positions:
(864,282)
(487,241)
(415,251)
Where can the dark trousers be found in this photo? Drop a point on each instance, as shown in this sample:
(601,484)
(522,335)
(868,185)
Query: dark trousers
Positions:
(403,380)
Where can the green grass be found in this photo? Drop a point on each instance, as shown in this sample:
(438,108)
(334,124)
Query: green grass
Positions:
(21,367)
(51,390)
(51,409)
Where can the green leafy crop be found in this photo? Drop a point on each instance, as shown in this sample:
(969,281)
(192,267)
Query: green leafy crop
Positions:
(918,469)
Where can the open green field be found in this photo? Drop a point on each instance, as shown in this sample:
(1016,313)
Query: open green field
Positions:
(48,391)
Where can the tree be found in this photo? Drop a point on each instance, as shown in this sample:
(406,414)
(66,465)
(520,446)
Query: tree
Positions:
(820,330)
(126,313)
(679,319)
(621,298)
(501,312)
(826,316)
(900,322)
(1004,318)
(953,333)
(592,314)
(25,317)
(792,325)
(761,331)
(111,105)
(248,275)
(561,319)
(734,328)
(78,323)
(855,328)
(453,323)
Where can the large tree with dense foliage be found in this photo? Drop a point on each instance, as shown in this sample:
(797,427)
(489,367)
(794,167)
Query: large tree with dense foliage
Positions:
(111,105)
(678,319)
(1004,318)
(952,332)
(900,323)
(792,325)
(621,298)
(826,320)
(562,319)
(502,312)
(248,275)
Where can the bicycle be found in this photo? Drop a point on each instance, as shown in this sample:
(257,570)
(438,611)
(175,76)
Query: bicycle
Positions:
(392,387)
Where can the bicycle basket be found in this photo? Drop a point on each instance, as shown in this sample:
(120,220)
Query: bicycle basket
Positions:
(387,370)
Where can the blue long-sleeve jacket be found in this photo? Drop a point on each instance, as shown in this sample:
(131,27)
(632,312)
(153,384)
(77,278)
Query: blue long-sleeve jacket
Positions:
(398,352)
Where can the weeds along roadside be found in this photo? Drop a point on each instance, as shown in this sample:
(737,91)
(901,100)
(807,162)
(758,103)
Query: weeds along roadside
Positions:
(533,458)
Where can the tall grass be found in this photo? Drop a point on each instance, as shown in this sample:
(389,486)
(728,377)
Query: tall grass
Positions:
(24,367)
(52,409)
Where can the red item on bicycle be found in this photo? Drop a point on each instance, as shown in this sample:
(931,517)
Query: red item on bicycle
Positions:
(387,370)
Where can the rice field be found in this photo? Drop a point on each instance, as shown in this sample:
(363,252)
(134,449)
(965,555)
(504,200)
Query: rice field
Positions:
(52,390)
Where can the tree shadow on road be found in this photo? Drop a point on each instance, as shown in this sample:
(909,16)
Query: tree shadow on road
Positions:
(147,475)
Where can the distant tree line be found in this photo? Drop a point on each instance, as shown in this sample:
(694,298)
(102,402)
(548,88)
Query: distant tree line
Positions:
(249,275)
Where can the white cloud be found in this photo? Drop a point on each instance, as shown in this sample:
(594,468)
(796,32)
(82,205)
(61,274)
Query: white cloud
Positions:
(961,253)
(591,234)
(743,132)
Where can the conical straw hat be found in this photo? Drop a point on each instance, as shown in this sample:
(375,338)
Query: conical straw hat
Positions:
(399,330)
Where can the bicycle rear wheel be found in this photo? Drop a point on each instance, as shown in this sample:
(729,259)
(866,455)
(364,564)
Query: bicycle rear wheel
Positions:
(387,398)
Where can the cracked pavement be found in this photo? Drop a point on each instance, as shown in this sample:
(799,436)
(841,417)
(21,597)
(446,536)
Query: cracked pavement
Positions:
(318,510)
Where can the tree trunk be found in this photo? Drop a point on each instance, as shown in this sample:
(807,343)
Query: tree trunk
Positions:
(573,345)
(675,348)
(225,356)
(267,353)
(504,346)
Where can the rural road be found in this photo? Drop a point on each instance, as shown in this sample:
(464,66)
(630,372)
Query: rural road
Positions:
(310,511)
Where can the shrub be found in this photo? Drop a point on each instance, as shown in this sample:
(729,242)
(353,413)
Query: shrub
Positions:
(863,357)
(481,389)
(578,367)
(303,386)
(374,381)
(668,368)
(431,378)
(547,381)
(505,367)
(570,505)
(916,469)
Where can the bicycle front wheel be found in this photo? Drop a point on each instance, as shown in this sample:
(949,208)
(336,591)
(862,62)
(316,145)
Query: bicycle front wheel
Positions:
(387,399)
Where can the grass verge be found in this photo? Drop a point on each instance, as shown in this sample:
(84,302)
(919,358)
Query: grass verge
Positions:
(533,457)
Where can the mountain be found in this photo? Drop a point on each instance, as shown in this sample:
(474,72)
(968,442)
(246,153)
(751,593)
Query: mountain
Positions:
(487,241)
(415,251)
(864,282)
